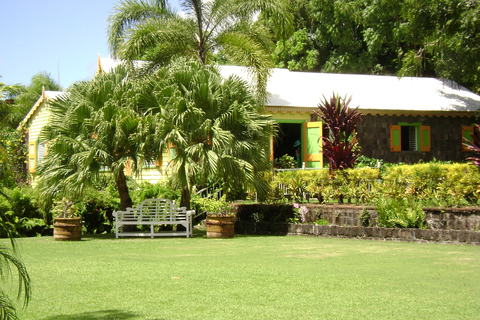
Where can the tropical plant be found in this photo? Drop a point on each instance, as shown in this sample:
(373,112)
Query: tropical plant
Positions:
(399,213)
(151,31)
(95,128)
(341,144)
(213,128)
(9,258)
(474,145)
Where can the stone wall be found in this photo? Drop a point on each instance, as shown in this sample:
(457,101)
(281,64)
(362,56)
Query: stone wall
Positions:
(374,233)
(446,138)
(446,225)
(436,218)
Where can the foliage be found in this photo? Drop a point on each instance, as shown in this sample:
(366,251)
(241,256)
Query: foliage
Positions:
(151,31)
(96,211)
(27,97)
(407,38)
(12,158)
(358,185)
(147,190)
(474,145)
(20,213)
(285,162)
(97,128)
(402,212)
(341,145)
(298,52)
(434,183)
(300,214)
(214,128)
(211,206)
(65,208)
(12,224)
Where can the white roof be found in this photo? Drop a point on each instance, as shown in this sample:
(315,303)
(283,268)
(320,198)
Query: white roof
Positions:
(306,89)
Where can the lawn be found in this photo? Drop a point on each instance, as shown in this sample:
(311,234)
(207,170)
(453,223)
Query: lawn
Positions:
(249,277)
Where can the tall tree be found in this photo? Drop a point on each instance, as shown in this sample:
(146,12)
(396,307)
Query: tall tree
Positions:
(434,38)
(151,31)
(95,127)
(215,127)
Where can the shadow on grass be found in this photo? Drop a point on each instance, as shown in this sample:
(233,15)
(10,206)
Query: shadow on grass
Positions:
(97,315)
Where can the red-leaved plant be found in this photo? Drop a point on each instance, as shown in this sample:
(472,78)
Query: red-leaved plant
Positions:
(340,146)
(474,145)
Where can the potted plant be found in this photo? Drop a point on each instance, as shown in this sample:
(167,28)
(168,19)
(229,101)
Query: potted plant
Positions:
(67,225)
(220,222)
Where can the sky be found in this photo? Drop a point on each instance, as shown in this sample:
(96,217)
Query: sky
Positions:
(61,37)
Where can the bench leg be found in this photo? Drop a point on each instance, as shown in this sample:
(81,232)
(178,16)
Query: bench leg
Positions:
(151,231)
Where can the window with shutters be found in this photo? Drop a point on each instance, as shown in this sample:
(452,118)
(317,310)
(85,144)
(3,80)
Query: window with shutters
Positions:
(409,137)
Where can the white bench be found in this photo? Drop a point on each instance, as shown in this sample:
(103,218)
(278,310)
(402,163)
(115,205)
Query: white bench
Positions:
(154,212)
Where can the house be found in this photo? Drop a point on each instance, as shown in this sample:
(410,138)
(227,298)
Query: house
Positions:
(404,119)
(34,121)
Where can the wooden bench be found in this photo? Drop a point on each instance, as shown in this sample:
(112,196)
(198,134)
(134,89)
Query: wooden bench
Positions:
(154,212)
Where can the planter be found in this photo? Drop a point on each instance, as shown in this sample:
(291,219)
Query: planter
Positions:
(67,229)
(220,226)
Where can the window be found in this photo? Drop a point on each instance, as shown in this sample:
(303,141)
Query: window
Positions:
(409,137)
(32,156)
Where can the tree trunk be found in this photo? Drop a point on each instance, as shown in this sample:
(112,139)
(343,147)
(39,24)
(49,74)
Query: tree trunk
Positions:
(185,199)
(125,200)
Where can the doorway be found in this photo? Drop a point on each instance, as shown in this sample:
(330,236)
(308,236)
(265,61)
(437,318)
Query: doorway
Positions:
(286,143)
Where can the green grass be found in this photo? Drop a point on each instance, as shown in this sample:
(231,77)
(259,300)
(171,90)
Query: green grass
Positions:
(249,277)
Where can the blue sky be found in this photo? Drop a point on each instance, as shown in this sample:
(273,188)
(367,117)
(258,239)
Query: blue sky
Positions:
(62,37)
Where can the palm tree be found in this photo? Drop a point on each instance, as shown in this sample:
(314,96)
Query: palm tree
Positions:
(9,258)
(151,31)
(96,127)
(215,126)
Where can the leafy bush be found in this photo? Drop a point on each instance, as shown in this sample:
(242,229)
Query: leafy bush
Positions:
(285,162)
(351,184)
(400,213)
(20,213)
(434,183)
(96,210)
(146,190)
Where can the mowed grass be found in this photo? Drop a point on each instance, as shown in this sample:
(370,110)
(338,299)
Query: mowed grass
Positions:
(249,277)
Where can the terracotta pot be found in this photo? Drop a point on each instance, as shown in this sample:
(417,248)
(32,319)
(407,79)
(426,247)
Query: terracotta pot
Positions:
(69,229)
(220,226)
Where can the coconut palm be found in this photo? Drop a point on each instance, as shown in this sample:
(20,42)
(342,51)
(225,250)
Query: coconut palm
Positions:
(95,127)
(149,30)
(214,126)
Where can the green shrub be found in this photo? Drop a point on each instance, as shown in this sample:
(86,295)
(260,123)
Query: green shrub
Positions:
(285,162)
(434,183)
(20,213)
(399,213)
(96,210)
(146,190)
(357,185)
